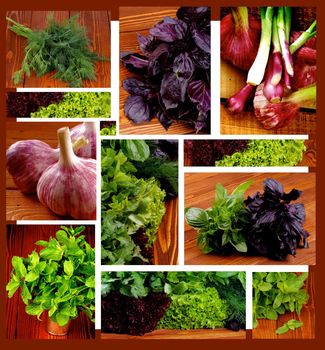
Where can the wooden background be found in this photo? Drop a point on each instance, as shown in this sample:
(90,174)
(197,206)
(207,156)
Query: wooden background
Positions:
(232,80)
(220,333)
(266,328)
(309,156)
(135,20)
(21,242)
(97,24)
(199,192)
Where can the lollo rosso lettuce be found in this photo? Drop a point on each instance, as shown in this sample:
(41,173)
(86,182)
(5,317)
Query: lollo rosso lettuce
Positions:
(172,73)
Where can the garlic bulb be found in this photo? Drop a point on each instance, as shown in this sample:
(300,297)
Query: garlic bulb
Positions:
(27,160)
(68,187)
(87,130)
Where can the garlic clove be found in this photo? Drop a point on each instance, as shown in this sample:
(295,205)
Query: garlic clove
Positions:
(88,131)
(68,187)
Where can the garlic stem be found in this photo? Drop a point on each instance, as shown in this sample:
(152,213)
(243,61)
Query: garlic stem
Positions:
(67,156)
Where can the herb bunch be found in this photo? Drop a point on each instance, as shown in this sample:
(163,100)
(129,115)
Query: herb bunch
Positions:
(221,228)
(276,293)
(172,74)
(60,278)
(60,48)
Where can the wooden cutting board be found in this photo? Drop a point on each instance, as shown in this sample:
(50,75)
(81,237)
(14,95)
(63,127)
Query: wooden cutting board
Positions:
(266,328)
(200,191)
(97,24)
(135,20)
(232,80)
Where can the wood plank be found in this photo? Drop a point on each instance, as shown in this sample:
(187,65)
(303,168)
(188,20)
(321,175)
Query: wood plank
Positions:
(220,333)
(166,245)
(97,24)
(99,33)
(199,192)
(308,158)
(15,46)
(135,20)
(21,241)
(266,328)
(21,206)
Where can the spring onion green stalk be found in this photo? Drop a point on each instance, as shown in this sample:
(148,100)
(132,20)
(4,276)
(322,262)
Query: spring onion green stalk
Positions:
(282,29)
(257,70)
(302,96)
(309,33)
(287,16)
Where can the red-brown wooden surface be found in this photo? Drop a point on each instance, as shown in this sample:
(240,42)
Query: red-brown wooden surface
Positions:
(266,328)
(21,242)
(97,24)
(20,206)
(200,191)
(135,20)
(220,333)
(309,155)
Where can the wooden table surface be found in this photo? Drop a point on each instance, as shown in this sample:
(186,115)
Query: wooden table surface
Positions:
(20,206)
(309,156)
(21,242)
(266,328)
(231,80)
(220,333)
(199,192)
(97,24)
(135,20)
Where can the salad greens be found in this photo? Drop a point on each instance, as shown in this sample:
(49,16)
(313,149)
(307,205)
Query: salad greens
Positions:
(275,293)
(78,105)
(196,299)
(59,279)
(221,228)
(290,325)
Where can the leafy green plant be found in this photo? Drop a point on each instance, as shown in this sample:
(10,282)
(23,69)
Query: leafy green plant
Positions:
(128,203)
(221,227)
(108,131)
(63,48)
(276,293)
(78,105)
(290,325)
(59,279)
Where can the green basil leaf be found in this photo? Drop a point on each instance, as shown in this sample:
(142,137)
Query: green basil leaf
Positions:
(282,330)
(12,287)
(196,217)
(19,266)
(137,150)
(62,319)
(31,276)
(68,267)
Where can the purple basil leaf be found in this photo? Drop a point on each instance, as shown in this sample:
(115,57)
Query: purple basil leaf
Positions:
(200,58)
(183,66)
(158,60)
(136,109)
(292,195)
(134,62)
(202,39)
(135,86)
(201,122)
(146,43)
(199,93)
(169,30)
(172,90)
(273,188)
(164,120)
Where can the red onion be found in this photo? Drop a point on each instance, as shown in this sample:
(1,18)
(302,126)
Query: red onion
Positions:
(68,187)
(240,38)
(236,103)
(87,130)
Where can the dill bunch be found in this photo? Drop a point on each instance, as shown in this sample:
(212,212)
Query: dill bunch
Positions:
(60,48)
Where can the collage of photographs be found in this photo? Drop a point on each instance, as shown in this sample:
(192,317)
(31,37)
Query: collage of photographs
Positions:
(161,174)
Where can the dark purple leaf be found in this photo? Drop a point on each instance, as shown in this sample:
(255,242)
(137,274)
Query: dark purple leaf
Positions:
(200,59)
(292,195)
(169,30)
(199,93)
(202,39)
(137,109)
(158,60)
(190,14)
(183,66)
(201,122)
(273,188)
(172,90)
(164,120)
(136,86)
(134,62)
(146,43)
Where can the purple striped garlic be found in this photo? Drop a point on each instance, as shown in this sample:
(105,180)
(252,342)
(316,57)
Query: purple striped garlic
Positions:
(68,187)
(27,160)
(87,130)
